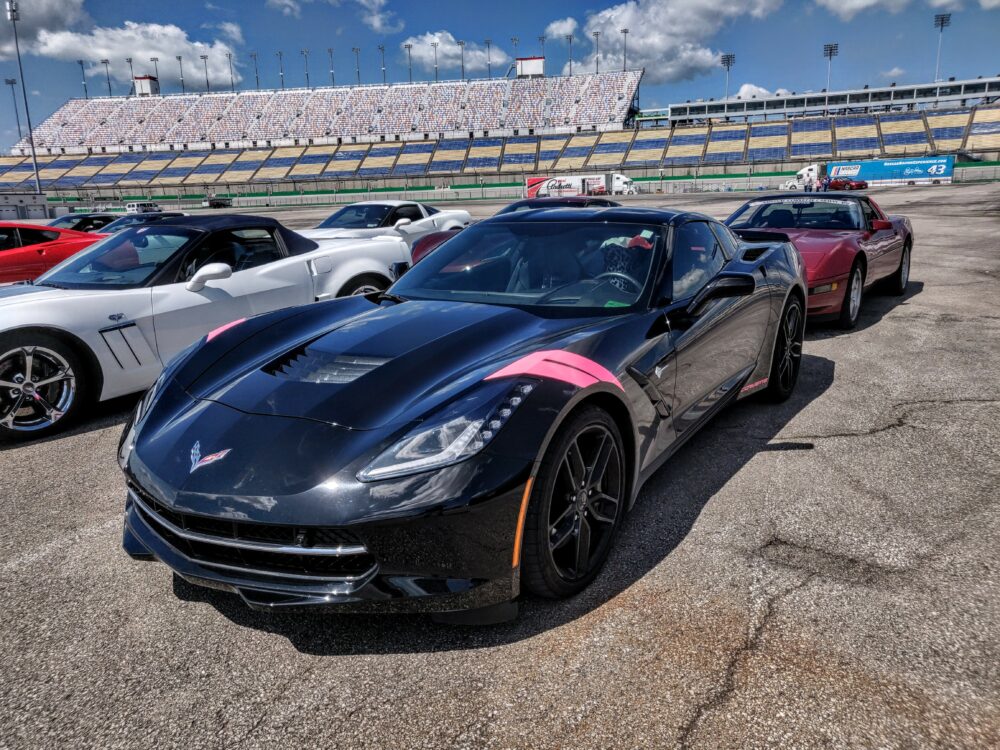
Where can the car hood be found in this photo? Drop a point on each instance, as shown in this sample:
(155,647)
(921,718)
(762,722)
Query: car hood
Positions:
(374,365)
(26,293)
(333,233)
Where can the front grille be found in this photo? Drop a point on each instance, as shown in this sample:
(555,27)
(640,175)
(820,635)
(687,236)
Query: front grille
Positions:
(257,549)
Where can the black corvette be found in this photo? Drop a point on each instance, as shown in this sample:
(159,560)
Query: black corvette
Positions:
(480,427)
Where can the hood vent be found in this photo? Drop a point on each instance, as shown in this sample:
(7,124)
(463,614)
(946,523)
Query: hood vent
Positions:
(309,366)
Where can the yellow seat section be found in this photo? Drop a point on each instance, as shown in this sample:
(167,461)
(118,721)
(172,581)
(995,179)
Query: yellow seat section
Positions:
(521,148)
(723,139)
(953,121)
(187,161)
(418,157)
(10,161)
(687,142)
(310,163)
(220,158)
(812,136)
(985,131)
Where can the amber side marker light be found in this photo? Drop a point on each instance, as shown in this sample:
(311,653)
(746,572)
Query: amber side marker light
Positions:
(520,522)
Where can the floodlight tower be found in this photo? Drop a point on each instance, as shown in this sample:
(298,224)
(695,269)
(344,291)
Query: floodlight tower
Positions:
(204,59)
(281,67)
(569,40)
(381,52)
(830,51)
(180,64)
(941,22)
(409,61)
(107,73)
(305,57)
(728,60)
(83,75)
(14,16)
(541,41)
(232,78)
(256,70)
(461,49)
(489,61)
(131,72)
(624,49)
(156,67)
(435,46)
(357,62)
(333,77)
(12,82)
(597,51)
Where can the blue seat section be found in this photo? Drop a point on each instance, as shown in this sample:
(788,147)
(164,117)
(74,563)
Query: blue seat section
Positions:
(858,144)
(611,148)
(178,173)
(904,139)
(140,175)
(949,133)
(281,161)
(409,169)
(810,149)
(809,126)
(207,169)
(453,144)
(722,156)
(681,160)
(690,140)
(766,154)
(759,131)
(105,179)
(519,159)
(338,173)
(373,172)
(728,135)
(854,121)
(447,166)
(424,147)
(314,159)
(481,162)
(577,151)
(984,128)
(377,151)
(236,166)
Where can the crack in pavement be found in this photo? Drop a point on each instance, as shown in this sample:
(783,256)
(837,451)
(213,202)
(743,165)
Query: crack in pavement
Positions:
(728,687)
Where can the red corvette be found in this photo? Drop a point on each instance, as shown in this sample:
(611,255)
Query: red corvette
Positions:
(845,183)
(846,241)
(27,250)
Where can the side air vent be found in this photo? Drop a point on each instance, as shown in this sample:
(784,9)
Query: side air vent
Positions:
(753,253)
(309,366)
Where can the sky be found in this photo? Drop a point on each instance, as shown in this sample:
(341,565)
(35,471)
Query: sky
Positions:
(778,43)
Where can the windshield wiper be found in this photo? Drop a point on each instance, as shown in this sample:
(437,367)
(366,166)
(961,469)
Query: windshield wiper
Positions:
(48,283)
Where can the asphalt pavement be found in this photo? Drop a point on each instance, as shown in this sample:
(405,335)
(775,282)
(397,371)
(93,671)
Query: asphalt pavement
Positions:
(823,573)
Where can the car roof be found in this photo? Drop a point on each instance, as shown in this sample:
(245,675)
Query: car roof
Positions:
(213,222)
(26,225)
(807,196)
(558,199)
(618,214)
(384,203)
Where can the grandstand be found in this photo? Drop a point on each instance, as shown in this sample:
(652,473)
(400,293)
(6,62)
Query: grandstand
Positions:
(322,139)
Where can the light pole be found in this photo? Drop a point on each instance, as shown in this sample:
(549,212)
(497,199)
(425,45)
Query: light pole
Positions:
(333,78)
(357,62)
(256,72)
(107,74)
(625,50)
(281,67)
(12,82)
(409,61)
(541,42)
(156,68)
(381,51)
(569,39)
(941,22)
(83,75)
(830,51)
(513,43)
(728,60)
(204,59)
(461,49)
(489,62)
(435,46)
(597,51)
(131,72)
(180,64)
(232,78)
(305,57)
(14,16)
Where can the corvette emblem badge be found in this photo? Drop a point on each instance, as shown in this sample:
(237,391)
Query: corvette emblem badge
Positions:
(197,461)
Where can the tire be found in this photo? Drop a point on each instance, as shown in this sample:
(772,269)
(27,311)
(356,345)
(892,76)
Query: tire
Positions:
(901,278)
(559,523)
(364,284)
(59,390)
(853,295)
(786,360)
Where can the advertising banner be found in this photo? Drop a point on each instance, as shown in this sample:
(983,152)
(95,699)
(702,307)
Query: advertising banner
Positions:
(919,171)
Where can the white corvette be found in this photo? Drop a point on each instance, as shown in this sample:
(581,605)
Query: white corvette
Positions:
(105,322)
(404,219)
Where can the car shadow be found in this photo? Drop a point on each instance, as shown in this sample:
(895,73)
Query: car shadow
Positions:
(876,303)
(109,413)
(651,531)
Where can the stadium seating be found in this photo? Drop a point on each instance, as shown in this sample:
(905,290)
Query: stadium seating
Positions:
(449,157)
(312,162)
(768,142)
(686,146)
(857,136)
(610,149)
(346,160)
(484,155)
(549,148)
(811,137)
(379,160)
(726,143)
(648,147)
(576,152)
(903,133)
(984,133)
(520,154)
(413,159)
(948,128)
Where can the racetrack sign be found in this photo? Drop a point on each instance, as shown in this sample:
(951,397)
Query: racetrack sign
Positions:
(926,170)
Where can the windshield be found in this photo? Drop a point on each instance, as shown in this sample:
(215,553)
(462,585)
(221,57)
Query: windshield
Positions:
(360,216)
(126,259)
(130,221)
(797,213)
(66,222)
(575,265)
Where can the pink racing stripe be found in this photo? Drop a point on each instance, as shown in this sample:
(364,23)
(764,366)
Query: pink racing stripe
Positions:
(222,329)
(559,365)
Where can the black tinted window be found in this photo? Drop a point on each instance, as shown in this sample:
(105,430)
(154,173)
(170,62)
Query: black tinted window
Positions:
(241,249)
(37,236)
(407,212)
(7,239)
(697,258)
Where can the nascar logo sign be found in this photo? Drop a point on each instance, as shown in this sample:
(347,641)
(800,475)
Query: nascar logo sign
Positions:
(918,171)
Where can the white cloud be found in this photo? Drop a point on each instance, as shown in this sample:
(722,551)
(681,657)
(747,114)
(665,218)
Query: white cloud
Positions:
(989,4)
(449,53)
(38,16)
(141,41)
(893,72)
(668,39)
(377,18)
(845,10)
(561,28)
(287,7)
(751,90)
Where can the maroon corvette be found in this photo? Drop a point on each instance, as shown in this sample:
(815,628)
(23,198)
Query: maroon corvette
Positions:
(847,242)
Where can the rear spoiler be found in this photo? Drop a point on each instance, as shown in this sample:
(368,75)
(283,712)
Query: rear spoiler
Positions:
(761,235)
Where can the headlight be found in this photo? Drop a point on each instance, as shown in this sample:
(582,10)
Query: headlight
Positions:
(459,431)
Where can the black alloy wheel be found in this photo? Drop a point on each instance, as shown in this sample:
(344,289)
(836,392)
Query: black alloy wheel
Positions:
(577,506)
(787,359)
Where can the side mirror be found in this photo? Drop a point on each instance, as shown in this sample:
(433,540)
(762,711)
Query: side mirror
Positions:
(398,268)
(402,223)
(207,273)
(723,285)
(880,225)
